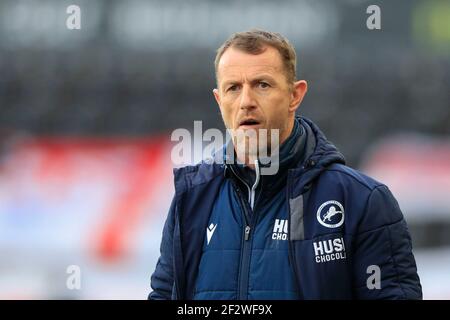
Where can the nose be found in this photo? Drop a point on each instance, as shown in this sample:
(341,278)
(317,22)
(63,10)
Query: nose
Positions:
(247,101)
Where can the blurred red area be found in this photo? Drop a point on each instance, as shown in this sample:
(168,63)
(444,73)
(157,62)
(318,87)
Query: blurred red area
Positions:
(97,190)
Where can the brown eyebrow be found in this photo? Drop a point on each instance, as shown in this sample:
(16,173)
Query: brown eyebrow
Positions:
(267,79)
(263,77)
(230,82)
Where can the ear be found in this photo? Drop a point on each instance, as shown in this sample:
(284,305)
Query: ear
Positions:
(298,92)
(217,96)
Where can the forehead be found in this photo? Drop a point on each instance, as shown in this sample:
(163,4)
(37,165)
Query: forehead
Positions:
(235,62)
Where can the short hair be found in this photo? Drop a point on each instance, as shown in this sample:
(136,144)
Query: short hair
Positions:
(255,42)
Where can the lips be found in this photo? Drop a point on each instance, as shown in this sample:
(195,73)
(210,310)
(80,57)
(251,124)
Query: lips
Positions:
(249,123)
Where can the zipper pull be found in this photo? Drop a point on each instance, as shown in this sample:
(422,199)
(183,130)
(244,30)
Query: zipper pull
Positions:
(247,232)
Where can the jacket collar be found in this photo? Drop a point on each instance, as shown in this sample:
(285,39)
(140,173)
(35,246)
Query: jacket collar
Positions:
(319,153)
(291,151)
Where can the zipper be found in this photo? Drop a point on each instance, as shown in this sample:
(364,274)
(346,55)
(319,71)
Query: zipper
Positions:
(247,242)
(247,233)
(245,249)
(255,185)
(250,222)
(252,190)
(238,191)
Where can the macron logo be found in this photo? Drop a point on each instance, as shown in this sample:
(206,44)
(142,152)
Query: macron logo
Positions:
(210,231)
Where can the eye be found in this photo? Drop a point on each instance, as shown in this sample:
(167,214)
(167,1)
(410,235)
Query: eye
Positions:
(263,85)
(233,87)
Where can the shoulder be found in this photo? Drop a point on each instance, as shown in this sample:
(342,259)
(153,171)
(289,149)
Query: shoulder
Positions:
(370,204)
(348,176)
(191,176)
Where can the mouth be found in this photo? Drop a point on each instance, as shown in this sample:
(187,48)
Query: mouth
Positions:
(249,123)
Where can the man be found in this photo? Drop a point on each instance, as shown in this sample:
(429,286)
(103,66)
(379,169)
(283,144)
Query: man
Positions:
(316,229)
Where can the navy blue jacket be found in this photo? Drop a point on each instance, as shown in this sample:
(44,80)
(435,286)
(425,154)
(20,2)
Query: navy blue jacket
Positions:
(336,233)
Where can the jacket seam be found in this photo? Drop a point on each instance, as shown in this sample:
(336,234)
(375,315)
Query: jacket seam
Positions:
(352,234)
(252,290)
(181,191)
(366,206)
(377,228)
(253,249)
(268,290)
(395,264)
(357,180)
(197,184)
(203,291)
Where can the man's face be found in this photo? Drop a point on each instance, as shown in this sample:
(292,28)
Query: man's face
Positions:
(253,92)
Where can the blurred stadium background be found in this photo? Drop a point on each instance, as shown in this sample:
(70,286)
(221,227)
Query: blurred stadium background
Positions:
(86,117)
